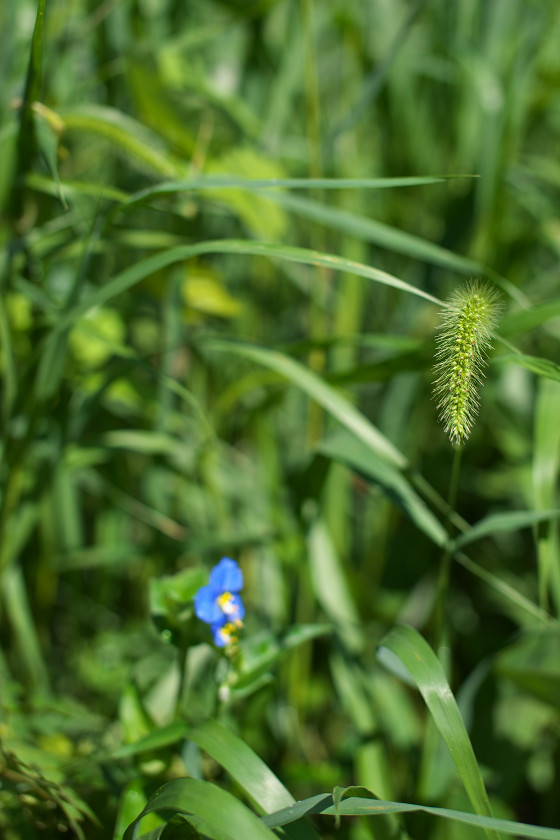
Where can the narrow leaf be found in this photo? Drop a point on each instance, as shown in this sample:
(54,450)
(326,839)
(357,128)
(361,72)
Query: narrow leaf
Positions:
(542,367)
(507,521)
(525,320)
(354,454)
(225,817)
(324,804)
(249,771)
(324,394)
(370,230)
(426,670)
(138,272)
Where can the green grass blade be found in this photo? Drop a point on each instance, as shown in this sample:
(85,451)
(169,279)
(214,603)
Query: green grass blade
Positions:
(264,788)
(315,387)
(163,736)
(324,804)
(71,188)
(257,780)
(536,364)
(359,458)
(27,141)
(130,802)
(425,669)
(546,467)
(224,816)
(517,323)
(507,592)
(369,230)
(209,182)
(33,81)
(383,235)
(19,614)
(533,663)
(133,275)
(508,521)
(331,587)
(125,134)
(8,363)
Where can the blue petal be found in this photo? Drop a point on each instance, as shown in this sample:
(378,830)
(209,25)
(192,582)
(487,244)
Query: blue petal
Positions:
(205,605)
(221,639)
(226,576)
(237,608)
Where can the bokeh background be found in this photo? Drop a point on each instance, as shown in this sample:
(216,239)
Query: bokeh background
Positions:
(159,412)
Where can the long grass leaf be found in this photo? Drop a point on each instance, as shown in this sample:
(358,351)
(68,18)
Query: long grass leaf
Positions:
(125,134)
(224,816)
(9,363)
(546,468)
(536,364)
(507,592)
(324,804)
(27,141)
(498,522)
(264,788)
(211,182)
(394,484)
(517,323)
(331,587)
(378,233)
(426,670)
(312,384)
(138,272)
(22,624)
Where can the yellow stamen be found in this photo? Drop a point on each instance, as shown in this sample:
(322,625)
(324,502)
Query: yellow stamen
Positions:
(226,604)
(229,632)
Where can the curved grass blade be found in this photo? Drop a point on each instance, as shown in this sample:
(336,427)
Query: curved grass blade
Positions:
(387,826)
(163,736)
(536,364)
(517,323)
(259,782)
(9,363)
(546,466)
(324,804)
(133,275)
(533,663)
(331,588)
(507,521)
(333,402)
(70,188)
(394,484)
(502,588)
(124,133)
(425,669)
(370,230)
(27,140)
(209,182)
(224,816)
(264,788)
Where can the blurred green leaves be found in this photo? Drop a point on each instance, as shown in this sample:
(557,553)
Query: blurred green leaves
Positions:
(204,350)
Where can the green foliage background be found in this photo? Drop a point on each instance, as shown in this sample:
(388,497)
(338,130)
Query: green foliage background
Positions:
(226,231)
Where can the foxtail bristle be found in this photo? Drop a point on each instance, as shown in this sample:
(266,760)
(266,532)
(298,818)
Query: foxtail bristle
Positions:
(463,341)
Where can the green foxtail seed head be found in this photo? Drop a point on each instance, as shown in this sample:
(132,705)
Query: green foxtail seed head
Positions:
(463,342)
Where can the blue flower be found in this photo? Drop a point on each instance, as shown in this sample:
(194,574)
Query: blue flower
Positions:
(219,603)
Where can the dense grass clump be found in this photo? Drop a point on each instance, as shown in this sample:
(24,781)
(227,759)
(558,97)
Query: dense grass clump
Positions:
(246,585)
